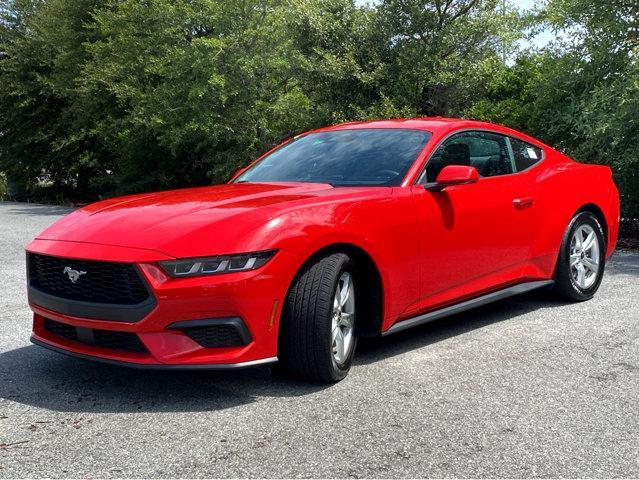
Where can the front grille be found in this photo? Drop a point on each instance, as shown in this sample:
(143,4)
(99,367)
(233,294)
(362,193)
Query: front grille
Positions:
(101,282)
(123,341)
(216,336)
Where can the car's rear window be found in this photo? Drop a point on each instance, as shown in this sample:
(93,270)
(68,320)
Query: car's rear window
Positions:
(373,157)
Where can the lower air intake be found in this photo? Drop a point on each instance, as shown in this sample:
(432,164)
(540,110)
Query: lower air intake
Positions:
(110,339)
(217,336)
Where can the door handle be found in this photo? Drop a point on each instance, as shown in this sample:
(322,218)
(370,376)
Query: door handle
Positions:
(523,202)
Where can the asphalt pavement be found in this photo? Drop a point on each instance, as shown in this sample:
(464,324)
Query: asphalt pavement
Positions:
(525,387)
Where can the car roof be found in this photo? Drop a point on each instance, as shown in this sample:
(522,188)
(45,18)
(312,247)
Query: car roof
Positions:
(435,125)
(431,124)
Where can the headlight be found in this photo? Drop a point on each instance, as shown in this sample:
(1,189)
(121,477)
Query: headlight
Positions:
(192,267)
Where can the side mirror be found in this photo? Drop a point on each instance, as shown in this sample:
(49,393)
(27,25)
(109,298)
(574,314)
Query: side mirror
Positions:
(453,175)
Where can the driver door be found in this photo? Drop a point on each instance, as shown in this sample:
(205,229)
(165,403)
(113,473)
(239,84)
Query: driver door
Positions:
(473,238)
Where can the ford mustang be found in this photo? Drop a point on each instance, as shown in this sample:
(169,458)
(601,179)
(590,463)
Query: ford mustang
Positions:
(360,229)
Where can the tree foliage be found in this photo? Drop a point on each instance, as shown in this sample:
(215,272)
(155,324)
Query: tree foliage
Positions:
(99,98)
(41,54)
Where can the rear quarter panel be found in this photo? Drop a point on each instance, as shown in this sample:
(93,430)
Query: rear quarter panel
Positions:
(561,187)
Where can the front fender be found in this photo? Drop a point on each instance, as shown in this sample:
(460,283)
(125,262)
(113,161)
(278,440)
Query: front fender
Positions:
(385,228)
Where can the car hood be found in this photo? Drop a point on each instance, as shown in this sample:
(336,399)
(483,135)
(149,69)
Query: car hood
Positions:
(190,222)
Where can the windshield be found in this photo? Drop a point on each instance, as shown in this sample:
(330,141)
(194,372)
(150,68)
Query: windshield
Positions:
(373,157)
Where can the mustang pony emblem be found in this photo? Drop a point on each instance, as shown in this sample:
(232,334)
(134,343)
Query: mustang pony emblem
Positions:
(73,274)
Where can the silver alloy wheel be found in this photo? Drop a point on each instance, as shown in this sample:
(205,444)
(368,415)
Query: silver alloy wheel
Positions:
(584,256)
(343,318)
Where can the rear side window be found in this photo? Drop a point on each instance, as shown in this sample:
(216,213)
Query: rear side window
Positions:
(525,154)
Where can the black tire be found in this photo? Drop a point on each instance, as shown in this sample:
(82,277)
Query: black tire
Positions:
(565,286)
(305,345)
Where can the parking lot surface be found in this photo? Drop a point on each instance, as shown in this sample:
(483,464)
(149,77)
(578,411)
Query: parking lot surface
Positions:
(524,387)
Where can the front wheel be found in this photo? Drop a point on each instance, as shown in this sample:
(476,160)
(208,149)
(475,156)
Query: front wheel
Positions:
(317,332)
(582,259)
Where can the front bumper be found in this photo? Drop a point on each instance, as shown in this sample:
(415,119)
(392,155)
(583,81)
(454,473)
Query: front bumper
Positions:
(255,297)
(154,366)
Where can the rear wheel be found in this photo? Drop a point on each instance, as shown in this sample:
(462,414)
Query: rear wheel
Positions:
(582,259)
(317,334)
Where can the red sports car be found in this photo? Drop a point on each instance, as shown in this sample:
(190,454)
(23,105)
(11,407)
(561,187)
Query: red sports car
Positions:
(359,229)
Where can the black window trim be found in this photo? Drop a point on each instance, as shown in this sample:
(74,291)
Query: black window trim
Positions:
(422,172)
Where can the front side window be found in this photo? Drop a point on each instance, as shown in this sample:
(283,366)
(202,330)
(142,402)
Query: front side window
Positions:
(369,157)
(489,153)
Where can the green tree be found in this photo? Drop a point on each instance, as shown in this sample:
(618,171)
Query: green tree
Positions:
(439,54)
(41,55)
(190,90)
(594,84)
